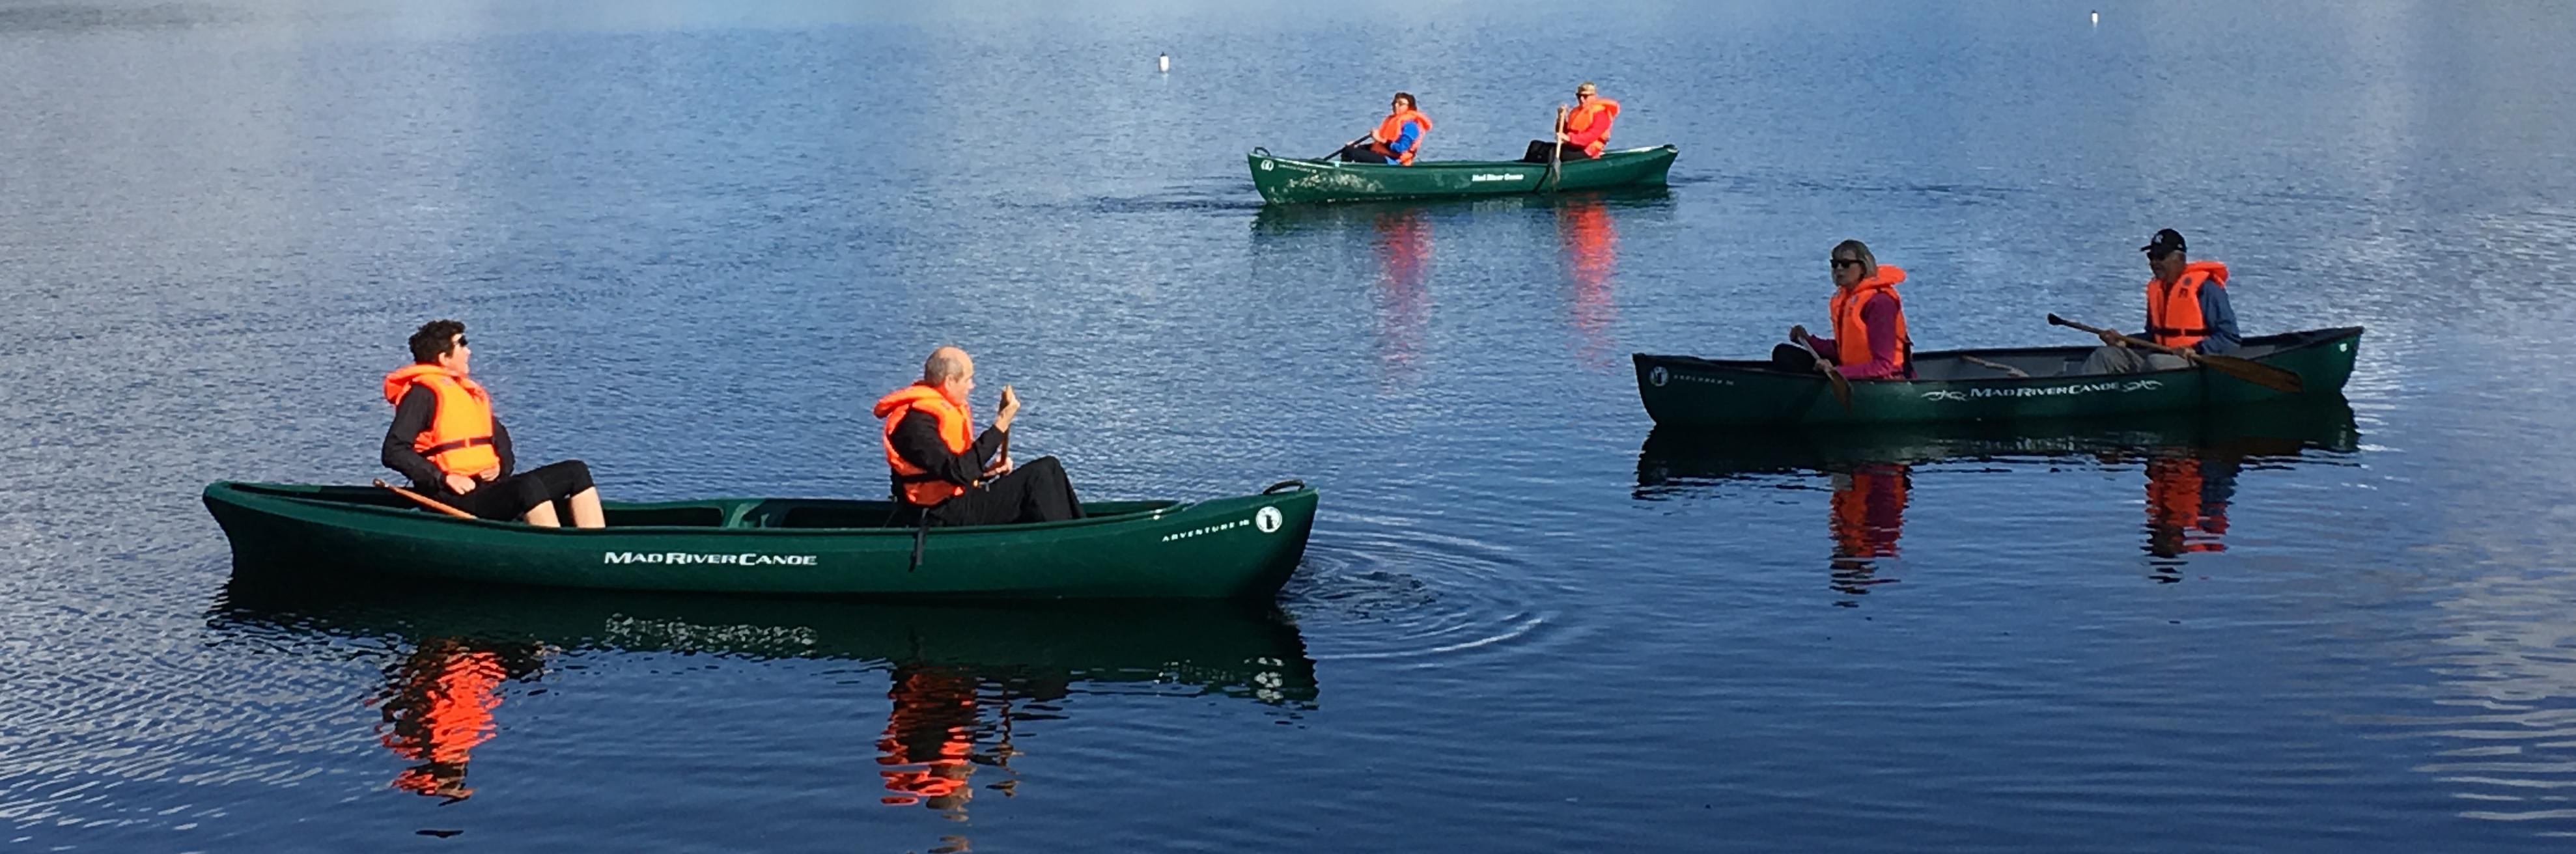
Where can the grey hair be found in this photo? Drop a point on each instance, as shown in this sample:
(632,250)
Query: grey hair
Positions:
(1859,251)
(944,364)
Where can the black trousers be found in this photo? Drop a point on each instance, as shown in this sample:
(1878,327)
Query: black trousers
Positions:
(1791,357)
(1362,154)
(1540,148)
(512,497)
(1035,492)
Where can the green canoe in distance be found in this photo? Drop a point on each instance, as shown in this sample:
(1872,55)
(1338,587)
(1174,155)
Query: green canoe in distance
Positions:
(1690,391)
(1241,547)
(1287,180)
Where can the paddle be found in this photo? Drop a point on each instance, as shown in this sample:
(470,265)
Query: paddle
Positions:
(1557,154)
(1840,384)
(425,501)
(2016,373)
(1345,146)
(2267,376)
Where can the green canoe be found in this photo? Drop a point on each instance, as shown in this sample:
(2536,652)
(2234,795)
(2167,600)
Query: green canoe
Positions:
(1690,391)
(1284,180)
(1242,547)
(1228,648)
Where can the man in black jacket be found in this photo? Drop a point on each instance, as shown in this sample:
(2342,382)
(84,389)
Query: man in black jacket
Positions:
(955,480)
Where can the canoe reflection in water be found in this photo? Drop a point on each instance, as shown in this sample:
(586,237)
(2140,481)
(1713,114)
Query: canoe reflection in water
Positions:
(2191,462)
(963,676)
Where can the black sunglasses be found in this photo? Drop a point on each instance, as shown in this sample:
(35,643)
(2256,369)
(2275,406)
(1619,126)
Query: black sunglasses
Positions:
(1840,263)
(460,341)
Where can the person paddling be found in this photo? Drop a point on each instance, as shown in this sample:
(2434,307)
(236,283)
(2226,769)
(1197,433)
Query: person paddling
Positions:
(952,480)
(1585,131)
(2187,308)
(1870,340)
(445,438)
(1396,140)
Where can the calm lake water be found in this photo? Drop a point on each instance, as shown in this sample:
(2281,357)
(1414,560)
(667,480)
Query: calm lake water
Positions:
(694,240)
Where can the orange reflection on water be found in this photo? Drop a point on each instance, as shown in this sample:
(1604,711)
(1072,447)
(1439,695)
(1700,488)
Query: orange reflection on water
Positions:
(2187,497)
(438,705)
(1404,292)
(1868,517)
(1592,259)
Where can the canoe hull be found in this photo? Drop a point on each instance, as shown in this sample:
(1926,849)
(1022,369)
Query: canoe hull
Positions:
(1283,180)
(1244,547)
(1688,391)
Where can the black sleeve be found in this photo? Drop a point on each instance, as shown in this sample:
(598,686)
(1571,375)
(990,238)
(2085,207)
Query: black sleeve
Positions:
(916,439)
(501,445)
(411,416)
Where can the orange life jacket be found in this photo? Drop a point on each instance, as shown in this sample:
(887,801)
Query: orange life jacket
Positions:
(1851,333)
(921,487)
(1393,127)
(459,438)
(2173,313)
(1578,124)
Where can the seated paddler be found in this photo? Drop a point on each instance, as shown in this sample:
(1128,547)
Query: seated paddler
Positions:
(1396,140)
(2187,309)
(446,439)
(1583,129)
(1869,340)
(955,480)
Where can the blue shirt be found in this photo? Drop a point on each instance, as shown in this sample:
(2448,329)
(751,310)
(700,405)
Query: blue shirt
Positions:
(1404,139)
(2221,320)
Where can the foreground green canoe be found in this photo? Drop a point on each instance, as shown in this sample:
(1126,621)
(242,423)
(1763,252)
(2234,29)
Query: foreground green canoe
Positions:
(1284,180)
(1689,391)
(1242,547)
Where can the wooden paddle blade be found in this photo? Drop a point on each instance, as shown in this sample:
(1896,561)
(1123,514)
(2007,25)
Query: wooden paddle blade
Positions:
(1841,386)
(2272,377)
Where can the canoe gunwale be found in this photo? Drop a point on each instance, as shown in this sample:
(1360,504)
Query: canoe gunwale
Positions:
(1421,165)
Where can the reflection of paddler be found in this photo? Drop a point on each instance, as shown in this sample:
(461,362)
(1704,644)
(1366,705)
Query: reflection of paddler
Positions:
(1869,509)
(2187,497)
(1592,244)
(438,706)
(1404,249)
(929,739)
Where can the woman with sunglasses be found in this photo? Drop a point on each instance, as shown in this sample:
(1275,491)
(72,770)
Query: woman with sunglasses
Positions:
(1870,341)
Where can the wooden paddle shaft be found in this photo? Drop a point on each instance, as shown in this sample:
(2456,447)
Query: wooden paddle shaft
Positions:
(425,501)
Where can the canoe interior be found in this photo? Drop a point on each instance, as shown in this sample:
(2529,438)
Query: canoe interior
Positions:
(2044,362)
(722,513)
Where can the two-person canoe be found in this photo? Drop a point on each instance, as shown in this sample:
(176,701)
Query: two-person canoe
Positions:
(1241,547)
(1690,391)
(1284,180)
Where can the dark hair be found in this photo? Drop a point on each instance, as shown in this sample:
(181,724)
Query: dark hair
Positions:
(1408,100)
(434,339)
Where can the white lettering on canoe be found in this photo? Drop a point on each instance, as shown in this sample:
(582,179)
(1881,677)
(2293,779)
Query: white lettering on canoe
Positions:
(686,558)
(1482,177)
(2048,391)
(1211,529)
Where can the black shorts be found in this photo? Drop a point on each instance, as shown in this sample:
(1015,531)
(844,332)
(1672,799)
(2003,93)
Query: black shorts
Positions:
(512,497)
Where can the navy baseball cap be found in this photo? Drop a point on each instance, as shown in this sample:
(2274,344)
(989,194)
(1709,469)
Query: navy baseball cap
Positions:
(2167,240)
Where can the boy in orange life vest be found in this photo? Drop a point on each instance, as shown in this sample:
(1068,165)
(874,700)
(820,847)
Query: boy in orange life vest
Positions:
(1397,139)
(954,481)
(2186,308)
(1870,341)
(1587,128)
(447,441)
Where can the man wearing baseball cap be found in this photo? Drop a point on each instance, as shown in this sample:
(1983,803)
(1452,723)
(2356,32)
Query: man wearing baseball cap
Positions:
(2186,308)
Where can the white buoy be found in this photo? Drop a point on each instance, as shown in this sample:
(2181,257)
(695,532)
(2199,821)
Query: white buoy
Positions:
(1163,63)
(2097,19)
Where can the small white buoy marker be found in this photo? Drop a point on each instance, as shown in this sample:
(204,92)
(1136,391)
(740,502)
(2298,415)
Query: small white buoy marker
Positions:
(1163,63)
(2097,19)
